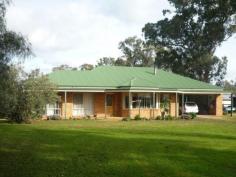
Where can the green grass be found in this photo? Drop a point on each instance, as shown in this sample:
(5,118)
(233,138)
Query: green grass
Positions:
(87,148)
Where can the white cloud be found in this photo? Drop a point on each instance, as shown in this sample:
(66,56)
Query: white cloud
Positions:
(81,31)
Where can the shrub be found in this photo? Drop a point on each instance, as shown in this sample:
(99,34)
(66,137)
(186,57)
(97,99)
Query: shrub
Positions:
(158,118)
(169,117)
(54,117)
(126,119)
(193,115)
(225,112)
(137,117)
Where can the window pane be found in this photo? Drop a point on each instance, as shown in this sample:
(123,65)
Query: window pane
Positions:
(109,100)
(135,101)
(77,101)
(126,101)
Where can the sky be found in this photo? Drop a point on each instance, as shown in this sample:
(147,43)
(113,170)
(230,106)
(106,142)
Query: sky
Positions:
(75,32)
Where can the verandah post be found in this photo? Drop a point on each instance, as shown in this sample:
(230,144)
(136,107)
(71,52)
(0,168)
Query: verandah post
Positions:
(176,105)
(153,104)
(65,100)
(105,104)
(182,104)
(130,103)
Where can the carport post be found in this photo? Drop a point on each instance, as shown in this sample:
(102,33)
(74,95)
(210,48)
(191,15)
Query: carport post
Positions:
(105,104)
(231,104)
(182,104)
(176,106)
(153,104)
(130,103)
(65,100)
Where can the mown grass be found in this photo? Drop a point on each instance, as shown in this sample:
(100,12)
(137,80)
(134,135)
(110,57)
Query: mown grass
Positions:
(88,148)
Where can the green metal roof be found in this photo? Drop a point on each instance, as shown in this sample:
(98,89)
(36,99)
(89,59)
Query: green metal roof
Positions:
(119,77)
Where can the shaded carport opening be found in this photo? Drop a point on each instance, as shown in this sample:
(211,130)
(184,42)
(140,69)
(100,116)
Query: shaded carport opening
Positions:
(206,103)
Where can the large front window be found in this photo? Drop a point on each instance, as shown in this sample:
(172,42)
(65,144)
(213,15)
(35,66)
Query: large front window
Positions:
(140,100)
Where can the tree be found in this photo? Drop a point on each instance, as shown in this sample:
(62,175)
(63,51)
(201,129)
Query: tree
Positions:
(120,62)
(190,37)
(31,93)
(64,67)
(86,67)
(12,45)
(136,52)
(106,61)
(22,96)
(230,86)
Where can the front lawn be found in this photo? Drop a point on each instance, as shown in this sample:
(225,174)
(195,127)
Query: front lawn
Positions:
(88,148)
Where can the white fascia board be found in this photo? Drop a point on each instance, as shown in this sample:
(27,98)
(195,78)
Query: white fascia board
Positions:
(201,93)
(88,91)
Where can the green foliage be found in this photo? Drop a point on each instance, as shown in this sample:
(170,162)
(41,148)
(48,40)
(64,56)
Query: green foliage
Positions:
(191,36)
(39,91)
(54,117)
(86,67)
(158,118)
(137,117)
(166,117)
(169,117)
(30,96)
(64,67)
(165,104)
(106,61)
(110,61)
(126,119)
(189,116)
(230,86)
(137,52)
(193,115)
(225,112)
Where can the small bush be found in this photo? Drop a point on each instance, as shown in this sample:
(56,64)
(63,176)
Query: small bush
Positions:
(54,117)
(225,112)
(169,117)
(193,115)
(137,117)
(126,119)
(158,118)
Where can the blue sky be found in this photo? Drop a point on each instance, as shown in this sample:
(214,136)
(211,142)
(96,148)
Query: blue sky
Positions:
(75,32)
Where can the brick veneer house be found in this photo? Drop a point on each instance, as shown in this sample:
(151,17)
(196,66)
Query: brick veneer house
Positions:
(113,91)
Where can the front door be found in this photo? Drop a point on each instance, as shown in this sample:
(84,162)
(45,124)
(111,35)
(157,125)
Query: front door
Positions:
(109,106)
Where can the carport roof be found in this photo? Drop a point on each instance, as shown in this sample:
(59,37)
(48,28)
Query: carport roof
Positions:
(128,78)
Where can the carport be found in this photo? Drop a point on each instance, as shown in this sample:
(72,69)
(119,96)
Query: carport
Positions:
(208,103)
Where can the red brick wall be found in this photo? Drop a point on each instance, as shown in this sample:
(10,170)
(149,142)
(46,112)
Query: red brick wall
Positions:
(99,104)
(219,107)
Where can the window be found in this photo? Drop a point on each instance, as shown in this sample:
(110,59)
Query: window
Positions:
(78,109)
(53,109)
(77,101)
(142,100)
(109,100)
(126,102)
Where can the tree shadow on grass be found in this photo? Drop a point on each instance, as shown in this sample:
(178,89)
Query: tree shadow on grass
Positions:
(43,152)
